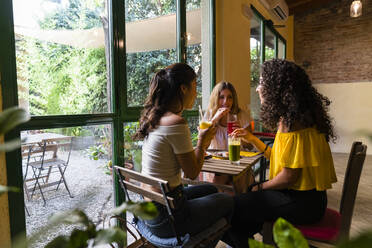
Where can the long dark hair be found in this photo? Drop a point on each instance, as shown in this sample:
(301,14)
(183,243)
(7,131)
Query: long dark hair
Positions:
(164,93)
(290,97)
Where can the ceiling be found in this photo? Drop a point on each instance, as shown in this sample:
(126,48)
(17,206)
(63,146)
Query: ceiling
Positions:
(300,6)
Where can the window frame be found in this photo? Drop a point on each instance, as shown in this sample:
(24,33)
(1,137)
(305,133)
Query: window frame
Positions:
(120,115)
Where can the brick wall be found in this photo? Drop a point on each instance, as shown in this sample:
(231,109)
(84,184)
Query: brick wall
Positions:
(332,46)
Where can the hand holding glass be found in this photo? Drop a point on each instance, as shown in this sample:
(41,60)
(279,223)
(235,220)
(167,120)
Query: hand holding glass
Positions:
(205,122)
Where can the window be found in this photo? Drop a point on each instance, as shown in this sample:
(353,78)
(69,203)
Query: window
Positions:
(262,32)
(79,79)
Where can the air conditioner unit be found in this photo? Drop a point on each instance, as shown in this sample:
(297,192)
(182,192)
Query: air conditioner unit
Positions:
(277,8)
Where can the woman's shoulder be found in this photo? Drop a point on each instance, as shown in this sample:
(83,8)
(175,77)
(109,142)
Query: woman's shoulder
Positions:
(171,119)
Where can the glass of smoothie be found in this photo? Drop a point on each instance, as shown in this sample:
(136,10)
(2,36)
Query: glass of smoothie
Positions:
(234,150)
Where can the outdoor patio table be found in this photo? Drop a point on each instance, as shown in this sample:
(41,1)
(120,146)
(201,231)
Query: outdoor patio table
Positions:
(241,174)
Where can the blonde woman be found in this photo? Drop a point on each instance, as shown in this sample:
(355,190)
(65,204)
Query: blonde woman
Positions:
(224,100)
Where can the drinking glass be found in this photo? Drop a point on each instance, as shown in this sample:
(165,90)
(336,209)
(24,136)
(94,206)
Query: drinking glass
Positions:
(205,121)
(232,122)
(234,150)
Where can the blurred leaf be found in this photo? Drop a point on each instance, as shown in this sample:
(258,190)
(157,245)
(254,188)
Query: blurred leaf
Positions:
(364,240)
(256,244)
(12,117)
(4,189)
(144,210)
(75,216)
(58,242)
(107,236)
(79,238)
(10,145)
(287,236)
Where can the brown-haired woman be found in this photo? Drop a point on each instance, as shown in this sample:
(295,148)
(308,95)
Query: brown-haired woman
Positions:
(167,150)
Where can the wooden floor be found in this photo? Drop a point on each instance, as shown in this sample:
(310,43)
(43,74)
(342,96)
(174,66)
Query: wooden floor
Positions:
(362,218)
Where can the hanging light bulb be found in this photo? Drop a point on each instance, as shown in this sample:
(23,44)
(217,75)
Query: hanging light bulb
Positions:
(356,8)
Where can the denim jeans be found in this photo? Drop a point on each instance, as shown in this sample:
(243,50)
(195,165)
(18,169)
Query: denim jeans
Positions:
(200,207)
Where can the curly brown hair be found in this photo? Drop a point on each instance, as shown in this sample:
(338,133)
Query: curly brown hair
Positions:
(289,96)
(164,93)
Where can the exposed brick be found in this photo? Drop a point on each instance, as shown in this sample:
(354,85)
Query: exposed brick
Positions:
(336,47)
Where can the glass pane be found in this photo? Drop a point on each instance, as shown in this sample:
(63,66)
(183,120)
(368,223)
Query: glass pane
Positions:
(194,43)
(255,49)
(84,156)
(150,43)
(62,50)
(269,44)
(193,122)
(132,148)
(281,49)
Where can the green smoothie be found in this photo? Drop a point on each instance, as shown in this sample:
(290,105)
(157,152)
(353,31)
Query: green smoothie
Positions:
(234,152)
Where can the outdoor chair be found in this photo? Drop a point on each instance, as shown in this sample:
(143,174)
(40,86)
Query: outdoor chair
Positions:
(335,225)
(134,182)
(43,161)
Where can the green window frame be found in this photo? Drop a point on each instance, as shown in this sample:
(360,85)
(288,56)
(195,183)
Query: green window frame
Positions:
(121,113)
(265,25)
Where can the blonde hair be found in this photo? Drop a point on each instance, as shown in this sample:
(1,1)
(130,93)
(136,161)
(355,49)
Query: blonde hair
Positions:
(213,100)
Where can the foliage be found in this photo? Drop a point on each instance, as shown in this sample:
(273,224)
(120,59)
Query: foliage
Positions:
(87,233)
(96,152)
(287,236)
(9,119)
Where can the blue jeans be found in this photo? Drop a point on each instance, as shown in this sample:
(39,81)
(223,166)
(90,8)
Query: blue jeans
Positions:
(200,206)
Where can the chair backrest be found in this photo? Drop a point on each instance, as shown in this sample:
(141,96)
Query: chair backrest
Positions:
(58,145)
(350,187)
(137,183)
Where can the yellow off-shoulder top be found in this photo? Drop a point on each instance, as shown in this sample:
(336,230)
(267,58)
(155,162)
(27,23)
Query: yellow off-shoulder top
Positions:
(306,149)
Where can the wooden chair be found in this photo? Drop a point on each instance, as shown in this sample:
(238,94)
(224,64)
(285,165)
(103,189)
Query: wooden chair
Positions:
(335,225)
(42,159)
(134,182)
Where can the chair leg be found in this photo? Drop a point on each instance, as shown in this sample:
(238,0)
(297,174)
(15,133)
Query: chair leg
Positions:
(38,184)
(64,180)
(267,233)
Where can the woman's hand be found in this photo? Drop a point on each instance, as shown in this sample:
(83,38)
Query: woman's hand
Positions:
(243,133)
(205,136)
(221,112)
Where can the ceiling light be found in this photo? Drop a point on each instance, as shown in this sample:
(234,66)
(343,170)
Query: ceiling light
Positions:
(356,8)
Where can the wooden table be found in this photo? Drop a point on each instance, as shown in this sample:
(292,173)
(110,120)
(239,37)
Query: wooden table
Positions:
(39,137)
(241,174)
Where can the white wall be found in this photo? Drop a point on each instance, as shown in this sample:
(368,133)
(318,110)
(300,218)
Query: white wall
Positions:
(351,109)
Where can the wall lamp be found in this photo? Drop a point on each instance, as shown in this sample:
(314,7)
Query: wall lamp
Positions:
(356,8)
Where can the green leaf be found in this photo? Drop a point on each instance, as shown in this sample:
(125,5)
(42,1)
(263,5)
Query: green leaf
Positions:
(256,244)
(10,145)
(4,189)
(58,242)
(75,216)
(79,238)
(108,236)
(144,210)
(287,236)
(363,240)
(12,117)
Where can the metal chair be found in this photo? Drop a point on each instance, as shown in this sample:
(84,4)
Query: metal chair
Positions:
(335,225)
(134,182)
(42,159)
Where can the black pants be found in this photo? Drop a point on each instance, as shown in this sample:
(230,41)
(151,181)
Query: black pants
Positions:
(252,209)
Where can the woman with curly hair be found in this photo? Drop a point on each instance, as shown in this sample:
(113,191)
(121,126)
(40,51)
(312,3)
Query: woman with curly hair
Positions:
(301,164)
(167,150)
